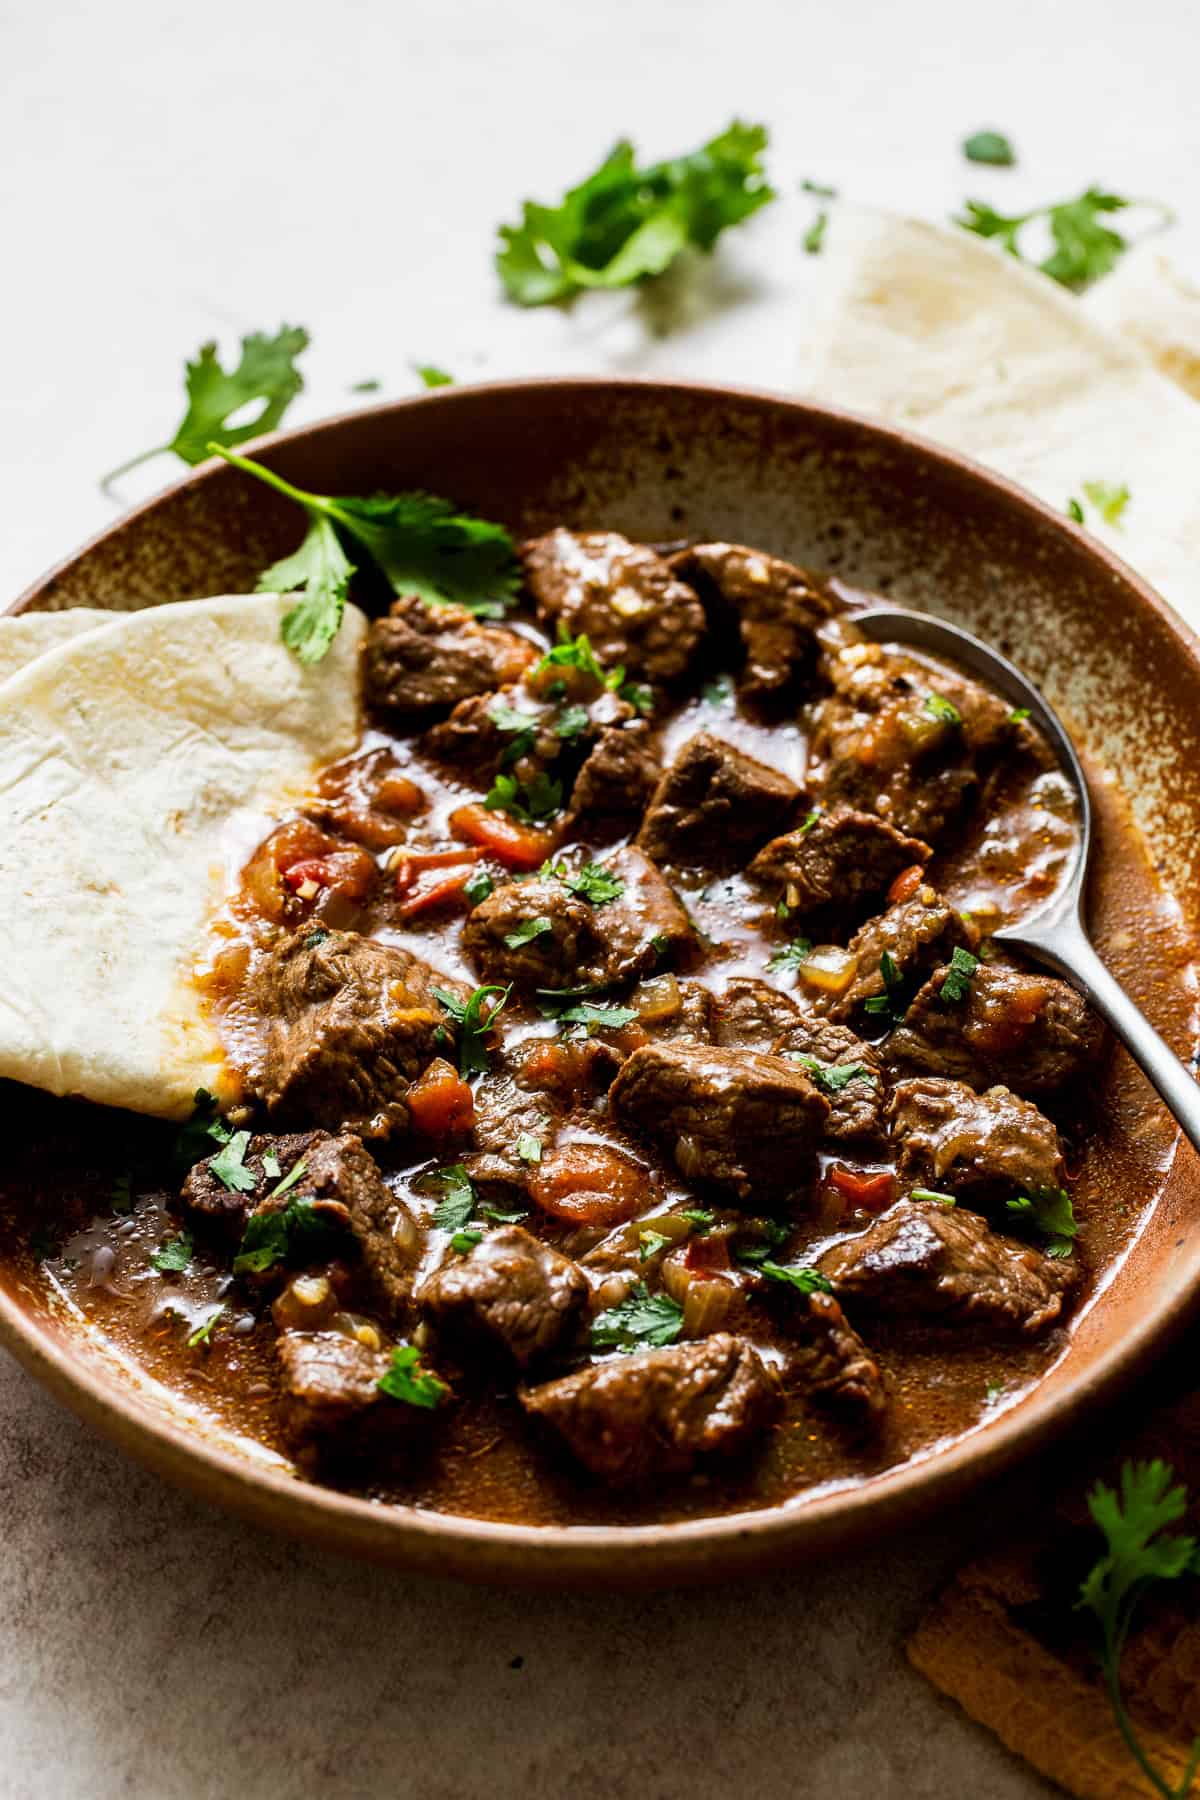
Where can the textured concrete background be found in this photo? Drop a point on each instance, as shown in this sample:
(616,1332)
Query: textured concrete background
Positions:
(170,172)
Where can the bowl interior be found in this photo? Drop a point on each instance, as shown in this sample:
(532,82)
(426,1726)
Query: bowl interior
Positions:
(868,504)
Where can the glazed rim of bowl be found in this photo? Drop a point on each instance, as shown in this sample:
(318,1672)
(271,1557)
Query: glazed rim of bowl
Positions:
(689,1550)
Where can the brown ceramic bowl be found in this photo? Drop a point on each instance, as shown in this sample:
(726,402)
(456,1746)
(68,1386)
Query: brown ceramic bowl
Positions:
(879,508)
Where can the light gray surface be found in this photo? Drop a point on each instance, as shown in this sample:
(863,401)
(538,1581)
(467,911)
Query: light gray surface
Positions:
(169,172)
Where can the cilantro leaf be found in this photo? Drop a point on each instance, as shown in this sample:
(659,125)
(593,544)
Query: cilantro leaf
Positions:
(593,882)
(529,1149)
(206,1127)
(938,707)
(571,723)
(699,1216)
(229,1165)
(932,1194)
(1049,1211)
(294,1233)
(478,886)
(1138,1551)
(809,1281)
(462,1241)
(266,371)
(458,1197)
(1109,500)
(637,1321)
(814,238)
(423,544)
(1085,248)
(831,1078)
(203,1333)
(473,1024)
(1074,510)
(496,1216)
(957,984)
(526,932)
(538,798)
(718,691)
(991,147)
(889,1004)
(624,223)
(409,1381)
(790,956)
(430,376)
(173,1257)
(575,653)
(650,1243)
(590,1016)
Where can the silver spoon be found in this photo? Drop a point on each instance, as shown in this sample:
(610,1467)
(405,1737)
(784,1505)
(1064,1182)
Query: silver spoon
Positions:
(1055,933)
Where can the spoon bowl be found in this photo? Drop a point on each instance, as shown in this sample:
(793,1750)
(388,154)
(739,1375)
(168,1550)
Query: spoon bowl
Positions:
(1055,933)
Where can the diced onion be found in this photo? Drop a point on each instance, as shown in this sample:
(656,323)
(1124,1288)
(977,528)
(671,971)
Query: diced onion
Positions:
(829,969)
(658,999)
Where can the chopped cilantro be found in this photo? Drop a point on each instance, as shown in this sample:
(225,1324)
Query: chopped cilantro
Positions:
(203,1333)
(938,707)
(572,722)
(1049,1211)
(173,1257)
(1018,715)
(650,1243)
(592,882)
(957,984)
(638,694)
(809,1281)
(529,1148)
(639,1320)
(496,1217)
(371,385)
(537,799)
(887,1005)
(206,1127)
(1085,247)
(229,1166)
(430,376)
(1109,500)
(266,371)
(292,1179)
(820,189)
(408,1381)
(1074,510)
(808,821)
(423,545)
(700,1217)
(473,1025)
(991,147)
(719,691)
(458,1197)
(624,223)
(814,237)
(831,1078)
(271,1168)
(462,1241)
(478,886)
(294,1233)
(574,653)
(525,933)
(790,956)
(519,727)
(591,1016)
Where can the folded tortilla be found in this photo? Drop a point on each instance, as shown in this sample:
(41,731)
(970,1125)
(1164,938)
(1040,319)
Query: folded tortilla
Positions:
(29,634)
(944,333)
(138,762)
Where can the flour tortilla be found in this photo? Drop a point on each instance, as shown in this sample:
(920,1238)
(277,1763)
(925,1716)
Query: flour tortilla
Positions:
(942,332)
(132,760)
(1149,302)
(30,634)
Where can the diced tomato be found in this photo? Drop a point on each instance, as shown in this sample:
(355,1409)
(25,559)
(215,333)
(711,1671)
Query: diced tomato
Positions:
(440,1102)
(445,889)
(906,884)
(351,872)
(590,1184)
(872,1192)
(517,846)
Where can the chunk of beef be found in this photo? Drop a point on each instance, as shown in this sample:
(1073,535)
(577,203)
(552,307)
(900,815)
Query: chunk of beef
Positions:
(210,1206)
(753,1015)
(511,1290)
(483,731)
(1029,1031)
(827,1358)
(948,1136)
(917,934)
(497,935)
(923,1260)
(622,596)
(739,1119)
(841,863)
(333,1411)
(347,1024)
(422,659)
(505,1111)
(901,739)
(617,778)
(677,1012)
(714,805)
(577,942)
(774,608)
(855,1103)
(342,1184)
(658,1412)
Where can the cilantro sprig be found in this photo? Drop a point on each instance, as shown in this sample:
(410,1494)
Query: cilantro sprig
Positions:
(1085,245)
(888,1005)
(530,801)
(473,1023)
(592,882)
(624,223)
(831,1078)
(408,1381)
(422,544)
(959,975)
(173,1257)
(1139,1552)
(266,371)
(295,1233)
(791,956)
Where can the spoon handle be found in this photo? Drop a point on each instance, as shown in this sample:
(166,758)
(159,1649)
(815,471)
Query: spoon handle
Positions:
(1069,951)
